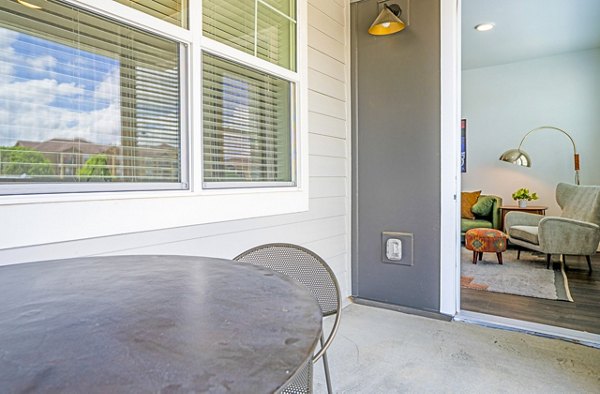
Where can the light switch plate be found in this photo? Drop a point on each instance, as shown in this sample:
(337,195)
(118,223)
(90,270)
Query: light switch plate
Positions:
(407,247)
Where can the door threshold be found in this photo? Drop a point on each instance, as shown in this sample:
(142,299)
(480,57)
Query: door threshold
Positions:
(544,330)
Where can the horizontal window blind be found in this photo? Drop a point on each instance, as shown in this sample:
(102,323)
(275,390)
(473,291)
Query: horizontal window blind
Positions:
(247,125)
(88,99)
(172,11)
(266,29)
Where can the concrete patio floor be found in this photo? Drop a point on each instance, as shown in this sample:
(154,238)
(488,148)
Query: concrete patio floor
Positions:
(383,351)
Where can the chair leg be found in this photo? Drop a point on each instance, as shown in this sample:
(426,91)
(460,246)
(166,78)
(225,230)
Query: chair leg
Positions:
(499,255)
(518,253)
(548,260)
(480,256)
(474,257)
(326,367)
(589,261)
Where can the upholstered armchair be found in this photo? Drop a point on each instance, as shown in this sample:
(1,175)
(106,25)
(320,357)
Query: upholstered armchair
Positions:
(575,232)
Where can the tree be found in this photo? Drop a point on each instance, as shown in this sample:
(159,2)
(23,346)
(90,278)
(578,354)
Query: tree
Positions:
(19,160)
(95,169)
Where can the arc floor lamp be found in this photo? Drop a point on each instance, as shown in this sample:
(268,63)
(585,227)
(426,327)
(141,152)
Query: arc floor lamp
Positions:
(520,157)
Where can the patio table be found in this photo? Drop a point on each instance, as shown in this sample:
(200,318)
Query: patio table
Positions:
(152,324)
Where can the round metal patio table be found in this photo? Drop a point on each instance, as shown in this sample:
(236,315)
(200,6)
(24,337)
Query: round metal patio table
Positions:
(152,324)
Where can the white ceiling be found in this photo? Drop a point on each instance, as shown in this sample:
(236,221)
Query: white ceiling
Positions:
(527,29)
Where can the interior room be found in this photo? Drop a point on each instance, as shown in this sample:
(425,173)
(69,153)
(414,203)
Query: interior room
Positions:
(264,196)
(511,85)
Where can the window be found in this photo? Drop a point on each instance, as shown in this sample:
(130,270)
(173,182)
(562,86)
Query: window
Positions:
(266,29)
(247,124)
(172,11)
(93,96)
(249,113)
(86,103)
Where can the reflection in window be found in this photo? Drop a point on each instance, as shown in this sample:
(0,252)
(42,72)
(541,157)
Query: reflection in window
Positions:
(263,28)
(172,11)
(85,99)
(247,130)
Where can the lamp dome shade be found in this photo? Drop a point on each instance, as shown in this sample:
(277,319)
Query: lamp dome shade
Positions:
(516,156)
(387,22)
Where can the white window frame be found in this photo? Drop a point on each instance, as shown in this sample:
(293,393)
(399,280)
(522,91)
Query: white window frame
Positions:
(35,219)
(297,78)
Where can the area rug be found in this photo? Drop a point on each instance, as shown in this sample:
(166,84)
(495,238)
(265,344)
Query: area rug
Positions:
(527,276)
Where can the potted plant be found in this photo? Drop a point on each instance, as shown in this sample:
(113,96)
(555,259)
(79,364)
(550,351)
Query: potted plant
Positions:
(522,196)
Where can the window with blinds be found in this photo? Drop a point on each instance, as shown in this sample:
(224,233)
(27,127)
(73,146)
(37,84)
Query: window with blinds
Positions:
(263,28)
(86,100)
(172,11)
(249,115)
(247,126)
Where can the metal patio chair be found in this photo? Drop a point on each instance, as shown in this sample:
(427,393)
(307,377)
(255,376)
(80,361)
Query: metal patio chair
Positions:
(313,272)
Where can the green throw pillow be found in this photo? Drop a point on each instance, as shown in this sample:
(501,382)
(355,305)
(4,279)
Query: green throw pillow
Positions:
(483,206)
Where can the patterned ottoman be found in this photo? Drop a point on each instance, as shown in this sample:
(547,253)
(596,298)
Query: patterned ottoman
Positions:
(481,240)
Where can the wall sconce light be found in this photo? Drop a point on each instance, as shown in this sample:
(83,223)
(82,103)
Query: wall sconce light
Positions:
(388,21)
(520,157)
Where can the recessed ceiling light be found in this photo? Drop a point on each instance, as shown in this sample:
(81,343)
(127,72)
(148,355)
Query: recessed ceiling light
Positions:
(27,4)
(484,27)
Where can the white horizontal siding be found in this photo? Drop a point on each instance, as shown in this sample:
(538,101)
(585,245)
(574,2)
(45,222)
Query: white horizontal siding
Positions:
(324,228)
(326,64)
(324,43)
(325,105)
(321,145)
(326,125)
(334,10)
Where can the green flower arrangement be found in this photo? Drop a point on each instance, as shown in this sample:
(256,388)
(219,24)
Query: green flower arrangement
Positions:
(523,194)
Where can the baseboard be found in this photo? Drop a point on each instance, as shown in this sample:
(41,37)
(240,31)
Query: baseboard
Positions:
(400,308)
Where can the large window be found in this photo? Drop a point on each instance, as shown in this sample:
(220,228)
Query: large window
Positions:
(249,114)
(86,103)
(94,95)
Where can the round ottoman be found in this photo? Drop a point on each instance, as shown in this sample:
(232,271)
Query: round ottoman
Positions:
(481,240)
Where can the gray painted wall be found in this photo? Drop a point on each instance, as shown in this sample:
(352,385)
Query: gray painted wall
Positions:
(396,154)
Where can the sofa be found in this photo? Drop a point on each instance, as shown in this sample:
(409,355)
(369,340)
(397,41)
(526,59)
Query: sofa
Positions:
(486,212)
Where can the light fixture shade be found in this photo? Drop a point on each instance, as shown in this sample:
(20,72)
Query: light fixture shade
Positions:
(516,156)
(386,23)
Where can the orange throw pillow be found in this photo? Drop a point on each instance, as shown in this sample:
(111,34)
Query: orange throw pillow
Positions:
(467,200)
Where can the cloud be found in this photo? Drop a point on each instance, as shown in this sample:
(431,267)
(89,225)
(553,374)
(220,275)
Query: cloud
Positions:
(7,38)
(109,88)
(40,107)
(44,62)
(69,89)
(37,91)
(33,117)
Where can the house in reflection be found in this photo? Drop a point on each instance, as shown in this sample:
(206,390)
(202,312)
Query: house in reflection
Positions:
(139,163)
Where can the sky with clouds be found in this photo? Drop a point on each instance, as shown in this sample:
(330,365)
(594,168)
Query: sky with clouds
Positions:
(50,90)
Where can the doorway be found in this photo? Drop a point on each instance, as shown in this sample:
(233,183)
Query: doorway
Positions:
(515,77)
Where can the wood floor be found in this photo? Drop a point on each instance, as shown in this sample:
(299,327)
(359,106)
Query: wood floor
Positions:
(582,315)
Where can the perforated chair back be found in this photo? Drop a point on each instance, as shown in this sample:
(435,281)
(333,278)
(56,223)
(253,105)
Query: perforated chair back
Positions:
(310,270)
(302,265)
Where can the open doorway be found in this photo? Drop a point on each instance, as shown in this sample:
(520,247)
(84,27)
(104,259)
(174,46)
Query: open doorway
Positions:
(537,66)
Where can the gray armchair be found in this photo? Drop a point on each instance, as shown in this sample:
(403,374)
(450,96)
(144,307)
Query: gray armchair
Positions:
(575,232)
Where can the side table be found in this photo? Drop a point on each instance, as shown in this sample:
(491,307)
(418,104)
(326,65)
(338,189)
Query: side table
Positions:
(537,209)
